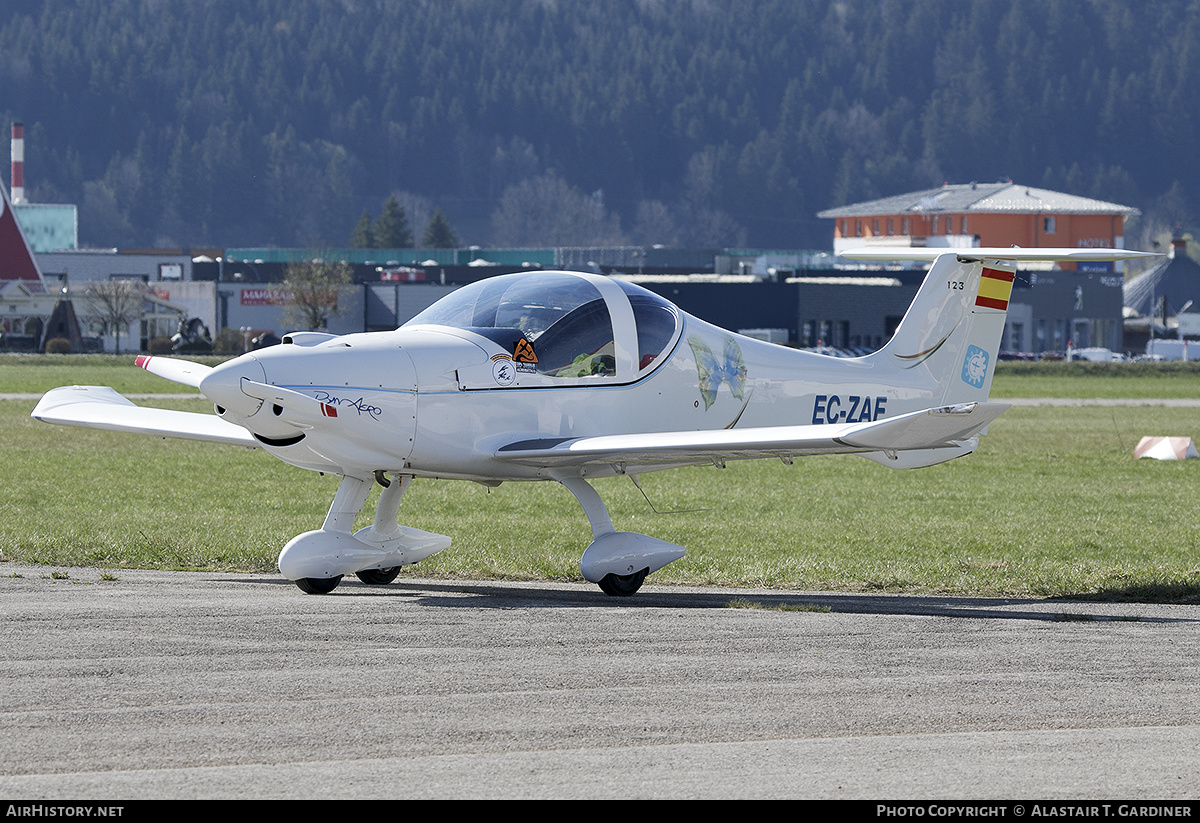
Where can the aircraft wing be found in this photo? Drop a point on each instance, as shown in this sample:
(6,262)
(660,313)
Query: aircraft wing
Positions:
(944,427)
(100,407)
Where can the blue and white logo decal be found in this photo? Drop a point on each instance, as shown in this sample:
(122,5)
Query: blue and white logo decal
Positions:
(975,366)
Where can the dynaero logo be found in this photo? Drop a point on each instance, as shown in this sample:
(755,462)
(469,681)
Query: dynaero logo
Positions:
(975,366)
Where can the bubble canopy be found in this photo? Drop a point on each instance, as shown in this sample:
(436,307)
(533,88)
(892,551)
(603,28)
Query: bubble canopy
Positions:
(578,325)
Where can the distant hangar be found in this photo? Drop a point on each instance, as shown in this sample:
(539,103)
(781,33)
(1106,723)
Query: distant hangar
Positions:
(982,214)
(1052,307)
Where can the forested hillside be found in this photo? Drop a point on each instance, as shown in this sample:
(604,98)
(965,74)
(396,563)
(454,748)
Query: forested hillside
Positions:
(575,122)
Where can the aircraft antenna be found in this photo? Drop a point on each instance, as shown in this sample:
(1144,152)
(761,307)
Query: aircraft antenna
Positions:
(634,478)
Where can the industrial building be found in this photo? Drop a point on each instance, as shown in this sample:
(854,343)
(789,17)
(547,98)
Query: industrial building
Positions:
(803,298)
(821,305)
(1162,307)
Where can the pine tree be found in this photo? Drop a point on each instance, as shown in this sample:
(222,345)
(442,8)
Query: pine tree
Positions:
(363,236)
(391,229)
(439,234)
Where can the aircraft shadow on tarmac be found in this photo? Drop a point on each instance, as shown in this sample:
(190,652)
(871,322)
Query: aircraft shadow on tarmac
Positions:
(488,594)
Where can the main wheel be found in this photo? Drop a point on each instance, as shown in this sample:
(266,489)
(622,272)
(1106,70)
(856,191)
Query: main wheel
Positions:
(623,585)
(378,577)
(318,585)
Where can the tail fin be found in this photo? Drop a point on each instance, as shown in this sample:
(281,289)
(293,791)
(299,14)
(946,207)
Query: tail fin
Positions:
(16,257)
(953,328)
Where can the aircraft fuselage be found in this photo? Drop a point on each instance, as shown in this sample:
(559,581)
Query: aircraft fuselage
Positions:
(431,404)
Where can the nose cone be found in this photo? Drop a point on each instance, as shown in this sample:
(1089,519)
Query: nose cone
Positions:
(223,385)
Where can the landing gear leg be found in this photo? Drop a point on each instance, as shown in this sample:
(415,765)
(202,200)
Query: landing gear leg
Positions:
(318,560)
(617,561)
(386,511)
(347,503)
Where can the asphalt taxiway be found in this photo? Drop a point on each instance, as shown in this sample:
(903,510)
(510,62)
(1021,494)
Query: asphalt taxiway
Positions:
(147,684)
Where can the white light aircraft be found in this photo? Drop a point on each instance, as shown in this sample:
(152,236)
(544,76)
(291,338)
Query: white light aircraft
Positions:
(567,377)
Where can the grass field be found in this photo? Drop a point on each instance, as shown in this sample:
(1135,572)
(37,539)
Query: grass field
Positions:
(1052,504)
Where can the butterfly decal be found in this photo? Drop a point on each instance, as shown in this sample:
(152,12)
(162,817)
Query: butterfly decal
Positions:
(714,371)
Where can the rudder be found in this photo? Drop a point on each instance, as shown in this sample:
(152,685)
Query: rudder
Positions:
(951,333)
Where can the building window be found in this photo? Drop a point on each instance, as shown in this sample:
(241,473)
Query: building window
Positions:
(858,228)
(1016,338)
(1048,225)
(890,232)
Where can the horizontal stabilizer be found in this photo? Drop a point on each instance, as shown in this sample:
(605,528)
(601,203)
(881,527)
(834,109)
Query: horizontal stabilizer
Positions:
(100,407)
(882,253)
(943,427)
(925,429)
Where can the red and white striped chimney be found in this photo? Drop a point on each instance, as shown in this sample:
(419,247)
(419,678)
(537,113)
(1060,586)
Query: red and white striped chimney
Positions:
(18,163)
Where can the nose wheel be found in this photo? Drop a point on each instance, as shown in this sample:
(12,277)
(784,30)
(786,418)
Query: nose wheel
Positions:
(622,585)
(372,577)
(318,585)
(378,577)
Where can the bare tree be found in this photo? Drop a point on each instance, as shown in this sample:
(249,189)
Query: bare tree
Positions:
(311,291)
(548,211)
(655,224)
(117,304)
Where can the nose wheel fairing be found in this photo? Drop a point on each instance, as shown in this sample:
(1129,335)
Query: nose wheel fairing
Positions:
(333,551)
(317,560)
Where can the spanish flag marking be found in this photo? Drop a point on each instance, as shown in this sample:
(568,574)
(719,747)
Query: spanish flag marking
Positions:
(995,286)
